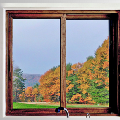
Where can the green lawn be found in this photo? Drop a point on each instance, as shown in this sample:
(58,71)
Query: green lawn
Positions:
(27,106)
(84,106)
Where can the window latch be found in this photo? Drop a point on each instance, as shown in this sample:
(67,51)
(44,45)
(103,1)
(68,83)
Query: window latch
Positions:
(112,112)
(62,108)
(88,114)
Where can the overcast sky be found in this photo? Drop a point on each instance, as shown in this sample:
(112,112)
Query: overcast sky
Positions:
(36,42)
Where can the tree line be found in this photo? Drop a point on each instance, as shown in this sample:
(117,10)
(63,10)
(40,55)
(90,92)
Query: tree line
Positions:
(86,83)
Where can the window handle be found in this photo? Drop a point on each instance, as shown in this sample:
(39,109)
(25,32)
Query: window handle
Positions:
(62,108)
(88,115)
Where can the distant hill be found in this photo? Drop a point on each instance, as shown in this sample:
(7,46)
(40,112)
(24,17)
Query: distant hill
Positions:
(31,79)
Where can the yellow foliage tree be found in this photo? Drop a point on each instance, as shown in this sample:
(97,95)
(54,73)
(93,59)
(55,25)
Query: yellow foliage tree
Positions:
(35,93)
(95,72)
(50,85)
(22,97)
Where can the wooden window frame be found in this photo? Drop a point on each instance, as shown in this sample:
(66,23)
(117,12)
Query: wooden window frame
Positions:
(112,15)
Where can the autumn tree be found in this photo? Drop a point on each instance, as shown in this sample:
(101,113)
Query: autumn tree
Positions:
(28,94)
(50,85)
(35,93)
(86,83)
(32,94)
(93,77)
(101,74)
(22,97)
(72,87)
(38,96)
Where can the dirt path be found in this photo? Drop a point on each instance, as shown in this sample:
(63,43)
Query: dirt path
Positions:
(35,102)
(41,103)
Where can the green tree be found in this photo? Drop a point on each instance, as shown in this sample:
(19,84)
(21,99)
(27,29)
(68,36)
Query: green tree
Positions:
(39,97)
(72,87)
(68,66)
(89,57)
(36,86)
(53,68)
(99,93)
(18,84)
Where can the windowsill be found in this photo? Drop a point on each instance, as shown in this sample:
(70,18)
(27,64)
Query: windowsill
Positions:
(53,114)
(111,117)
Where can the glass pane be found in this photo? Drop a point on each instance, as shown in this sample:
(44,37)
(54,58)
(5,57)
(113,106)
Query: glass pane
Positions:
(36,63)
(87,68)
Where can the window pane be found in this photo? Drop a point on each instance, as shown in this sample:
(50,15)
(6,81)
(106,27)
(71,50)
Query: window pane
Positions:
(36,63)
(87,58)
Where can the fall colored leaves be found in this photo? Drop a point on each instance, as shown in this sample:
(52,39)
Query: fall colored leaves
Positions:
(50,85)
(86,83)
(92,78)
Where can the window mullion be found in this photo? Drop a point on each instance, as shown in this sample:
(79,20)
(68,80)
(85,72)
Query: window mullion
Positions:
(63,62)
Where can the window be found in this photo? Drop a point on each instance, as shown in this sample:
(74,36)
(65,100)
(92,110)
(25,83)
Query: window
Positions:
(87,75)
(37,53)
(112,16)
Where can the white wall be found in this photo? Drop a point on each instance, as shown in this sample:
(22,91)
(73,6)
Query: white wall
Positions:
(44,5)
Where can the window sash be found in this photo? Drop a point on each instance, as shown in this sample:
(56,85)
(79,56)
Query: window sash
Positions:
(63,15)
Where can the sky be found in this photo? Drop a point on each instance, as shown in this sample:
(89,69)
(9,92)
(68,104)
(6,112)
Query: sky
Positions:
(36,42)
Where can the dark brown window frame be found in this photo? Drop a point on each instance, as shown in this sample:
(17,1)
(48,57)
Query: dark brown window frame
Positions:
(112,15)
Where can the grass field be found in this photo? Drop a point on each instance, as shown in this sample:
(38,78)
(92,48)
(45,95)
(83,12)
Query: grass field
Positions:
(26,105)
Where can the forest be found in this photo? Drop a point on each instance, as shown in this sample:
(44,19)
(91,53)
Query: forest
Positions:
(86,83)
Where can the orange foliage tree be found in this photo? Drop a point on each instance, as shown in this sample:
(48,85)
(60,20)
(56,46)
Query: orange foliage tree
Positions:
(50,85)
(28,94)
(86,82)
(35,93)
(22,97)
(93,77)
